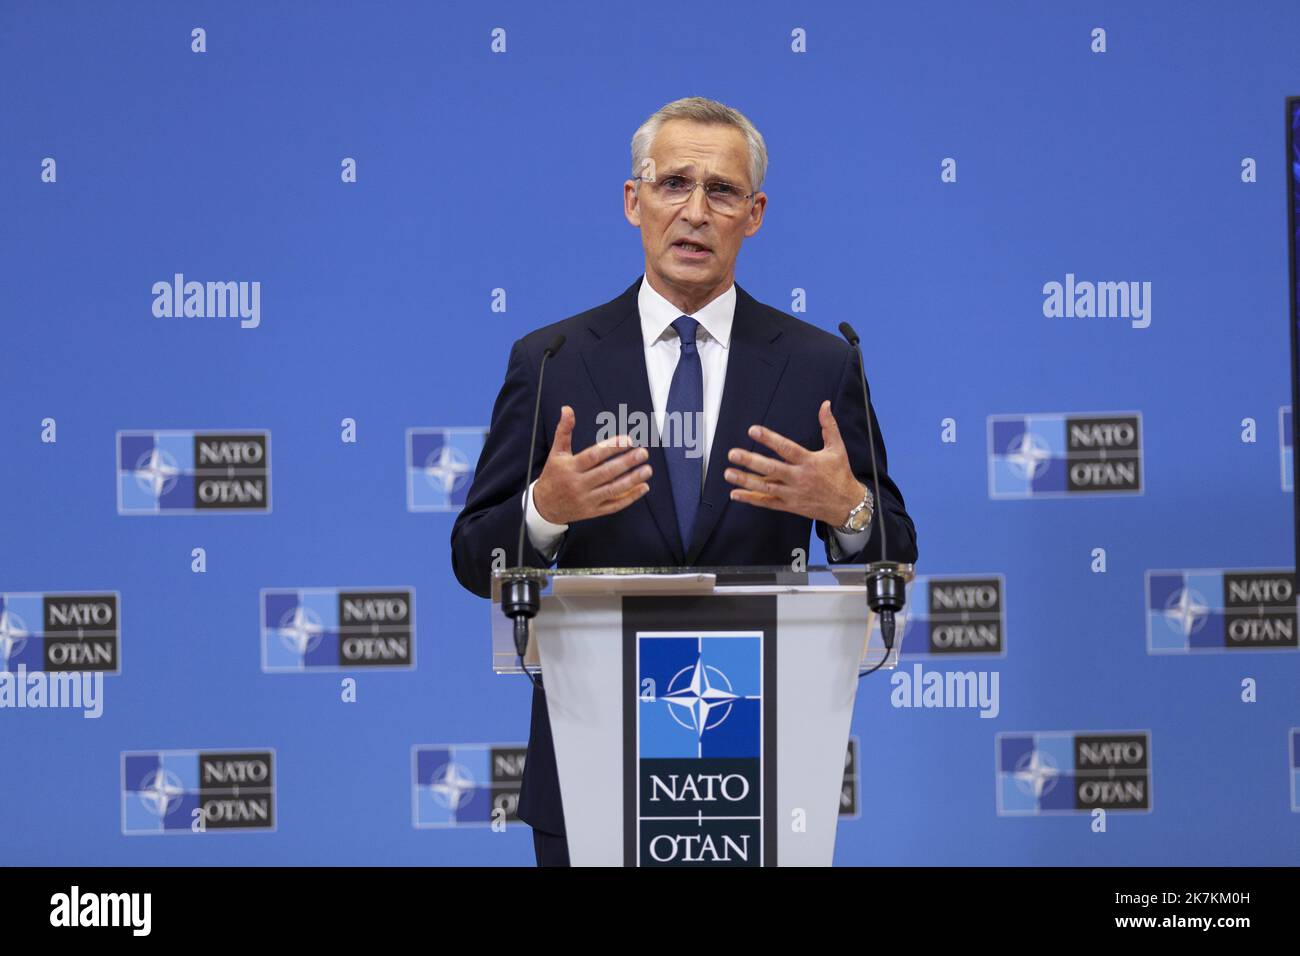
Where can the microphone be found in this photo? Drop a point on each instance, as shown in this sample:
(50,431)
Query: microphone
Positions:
(886,587)
(521,595)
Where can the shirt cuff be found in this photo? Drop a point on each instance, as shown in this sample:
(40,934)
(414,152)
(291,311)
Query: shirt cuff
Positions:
(542,534)
(843,545)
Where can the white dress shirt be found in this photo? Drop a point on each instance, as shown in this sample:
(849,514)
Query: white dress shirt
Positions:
(662,350)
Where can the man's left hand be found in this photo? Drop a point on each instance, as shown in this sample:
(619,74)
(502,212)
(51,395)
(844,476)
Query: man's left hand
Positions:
(816,484)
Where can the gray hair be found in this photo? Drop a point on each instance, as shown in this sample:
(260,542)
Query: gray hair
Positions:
(701,110)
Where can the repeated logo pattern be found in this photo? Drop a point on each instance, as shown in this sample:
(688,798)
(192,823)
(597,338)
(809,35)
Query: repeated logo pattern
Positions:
(1055,455)
(1215,610)
(465,785)
(953,617)
(440,466)
(192,791)
(1286,436)
(1293,749)
(337,628)
(849,787)
(1072,772)
(55,631)
(190,472)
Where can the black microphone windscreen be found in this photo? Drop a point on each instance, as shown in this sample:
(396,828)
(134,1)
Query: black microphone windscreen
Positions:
(846,330)
(556,344)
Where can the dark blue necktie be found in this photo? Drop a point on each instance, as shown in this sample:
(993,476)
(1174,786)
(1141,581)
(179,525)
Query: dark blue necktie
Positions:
(685,398)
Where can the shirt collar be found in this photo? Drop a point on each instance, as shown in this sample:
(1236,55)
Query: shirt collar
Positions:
(658,314)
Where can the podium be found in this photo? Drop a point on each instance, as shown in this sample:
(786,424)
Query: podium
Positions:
(700,716)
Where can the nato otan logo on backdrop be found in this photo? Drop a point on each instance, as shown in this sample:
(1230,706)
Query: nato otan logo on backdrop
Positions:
(60,631)
(1073,772)
(197,791)
(1293,748)
(440,466)
(1215,610)
(954,616)
(849,785)
(1068,454)
(465,785)
(1286,436)
(193,472)
(322,629)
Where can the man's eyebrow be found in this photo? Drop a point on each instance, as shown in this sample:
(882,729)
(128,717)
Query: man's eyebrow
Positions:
(688,169)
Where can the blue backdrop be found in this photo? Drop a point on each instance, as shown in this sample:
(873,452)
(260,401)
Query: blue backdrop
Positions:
(479,170)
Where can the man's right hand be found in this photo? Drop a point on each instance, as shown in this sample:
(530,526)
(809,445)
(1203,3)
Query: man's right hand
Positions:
(600,480)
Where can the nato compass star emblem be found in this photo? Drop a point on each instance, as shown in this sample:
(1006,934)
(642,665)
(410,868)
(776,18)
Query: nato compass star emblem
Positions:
(301,630)
(448,469)
(1036,773)
(13,634)
(465,785)
(701,693)
(1187,610)
(452,785)
(156,472)
(1028,455)
(440,465)
(161,792)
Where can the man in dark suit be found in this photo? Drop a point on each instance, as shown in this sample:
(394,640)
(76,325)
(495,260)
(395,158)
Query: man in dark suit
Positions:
(756,423)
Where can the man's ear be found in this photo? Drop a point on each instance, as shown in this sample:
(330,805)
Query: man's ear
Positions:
(756,214)
(631,203)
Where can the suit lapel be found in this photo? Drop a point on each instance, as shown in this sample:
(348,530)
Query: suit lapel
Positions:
(615,360)
(755,363)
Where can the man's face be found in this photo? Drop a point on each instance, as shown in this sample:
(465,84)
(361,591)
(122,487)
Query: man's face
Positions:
(705,152)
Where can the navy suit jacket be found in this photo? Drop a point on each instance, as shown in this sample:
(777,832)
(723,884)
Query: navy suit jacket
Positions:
(779,370)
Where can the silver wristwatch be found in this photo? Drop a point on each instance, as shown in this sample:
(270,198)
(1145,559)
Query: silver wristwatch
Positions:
(860,516)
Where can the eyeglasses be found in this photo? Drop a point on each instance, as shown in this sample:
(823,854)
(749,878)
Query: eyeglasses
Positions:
(722,197)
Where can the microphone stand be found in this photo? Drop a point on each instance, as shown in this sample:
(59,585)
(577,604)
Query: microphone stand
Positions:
(886,585)
(521,587)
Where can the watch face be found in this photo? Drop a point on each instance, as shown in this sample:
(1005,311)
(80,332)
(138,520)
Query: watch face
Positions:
(859,520)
